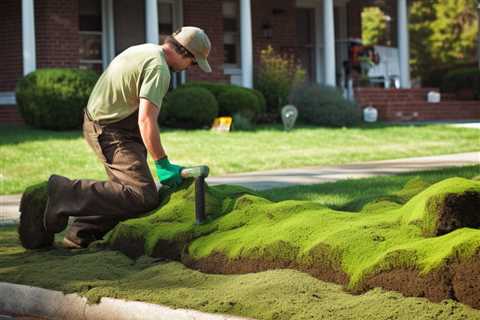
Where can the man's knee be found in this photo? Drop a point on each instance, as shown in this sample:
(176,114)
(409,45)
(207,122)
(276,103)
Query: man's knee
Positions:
(150,199)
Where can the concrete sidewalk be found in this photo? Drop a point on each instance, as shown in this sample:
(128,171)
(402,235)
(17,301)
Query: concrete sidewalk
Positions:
(262,180)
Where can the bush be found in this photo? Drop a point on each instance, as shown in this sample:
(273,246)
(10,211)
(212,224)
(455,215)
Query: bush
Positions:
(55,98)
(215,88)
(458,79)
(189,107)
(237,100)
(434,78)
(240,123)
(275,77)
(324,106)
(218,89)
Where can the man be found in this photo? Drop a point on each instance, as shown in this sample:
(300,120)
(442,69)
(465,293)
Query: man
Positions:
(120,125)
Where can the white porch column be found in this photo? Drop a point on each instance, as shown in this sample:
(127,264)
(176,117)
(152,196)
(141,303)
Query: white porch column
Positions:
(319,48)
(28,37)
(403,44)
(151,21)
(246,43)
(108,34)
(329,42)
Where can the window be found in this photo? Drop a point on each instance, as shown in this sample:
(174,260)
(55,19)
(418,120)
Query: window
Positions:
(168,22)
(231,33)
(165,20)
(90,27)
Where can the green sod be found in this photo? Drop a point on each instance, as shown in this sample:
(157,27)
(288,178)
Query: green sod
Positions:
(269,295)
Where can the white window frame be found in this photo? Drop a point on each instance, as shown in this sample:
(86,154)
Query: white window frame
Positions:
(234,68)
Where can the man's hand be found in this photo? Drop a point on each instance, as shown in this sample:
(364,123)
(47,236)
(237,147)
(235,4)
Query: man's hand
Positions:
(168,173)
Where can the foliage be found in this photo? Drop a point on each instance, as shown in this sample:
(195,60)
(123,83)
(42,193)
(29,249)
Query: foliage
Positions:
(239,100)
(242,123)
(217,89)
(276,76)
(325,106)
(374,26)
(434,76)
(460,79)
(442,32)
(190,107)
(55,98)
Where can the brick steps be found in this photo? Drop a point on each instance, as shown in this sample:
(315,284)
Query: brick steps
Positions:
(411,105)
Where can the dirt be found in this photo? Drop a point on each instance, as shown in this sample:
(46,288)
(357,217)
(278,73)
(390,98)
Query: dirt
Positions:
(459,211)
(460,281)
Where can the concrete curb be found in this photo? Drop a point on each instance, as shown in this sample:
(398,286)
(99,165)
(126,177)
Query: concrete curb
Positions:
(26,300)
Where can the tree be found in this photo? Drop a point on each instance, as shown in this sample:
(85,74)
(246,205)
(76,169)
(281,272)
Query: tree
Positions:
(374,26)
(442,32)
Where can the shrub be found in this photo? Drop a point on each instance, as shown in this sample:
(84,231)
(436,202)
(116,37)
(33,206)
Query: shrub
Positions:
(324,106)
(434,77)
(218,89)
(189,107)
(55,98)
(465,78)
(241,123)
(276,76)
(239,100)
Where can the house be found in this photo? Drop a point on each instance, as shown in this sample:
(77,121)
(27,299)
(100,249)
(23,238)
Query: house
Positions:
(89,33)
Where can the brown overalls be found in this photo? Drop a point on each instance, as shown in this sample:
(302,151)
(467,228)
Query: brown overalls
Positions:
(99,205)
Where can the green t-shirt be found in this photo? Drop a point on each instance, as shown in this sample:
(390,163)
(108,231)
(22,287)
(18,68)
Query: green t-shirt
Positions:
(138,72)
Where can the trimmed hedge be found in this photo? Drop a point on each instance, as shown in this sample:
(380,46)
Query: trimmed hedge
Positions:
(55,98)
(326,106)
(189,107)
(434,78)
(230,108)
(459,79)
(236,100)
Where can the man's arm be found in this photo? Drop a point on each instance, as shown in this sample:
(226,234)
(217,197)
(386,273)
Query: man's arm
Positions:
(147,122)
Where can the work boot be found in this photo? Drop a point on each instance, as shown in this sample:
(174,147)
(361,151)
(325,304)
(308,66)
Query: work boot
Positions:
(31,230)
(52,222)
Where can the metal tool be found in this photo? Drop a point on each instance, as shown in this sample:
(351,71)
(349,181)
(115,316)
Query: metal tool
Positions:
(199,173)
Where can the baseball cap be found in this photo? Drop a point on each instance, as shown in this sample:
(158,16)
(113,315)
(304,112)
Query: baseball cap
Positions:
(196,41)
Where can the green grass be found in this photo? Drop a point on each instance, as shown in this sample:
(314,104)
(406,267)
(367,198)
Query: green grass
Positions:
(29,156)
(270,295)
(274,294)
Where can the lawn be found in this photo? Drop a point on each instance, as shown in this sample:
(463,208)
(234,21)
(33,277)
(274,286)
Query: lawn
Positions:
(274,294)
(29,156)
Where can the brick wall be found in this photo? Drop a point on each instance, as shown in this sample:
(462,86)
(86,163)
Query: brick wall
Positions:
(280,15)
(10,115)
(411,105)
(57,38)
(11,64)
(208,16)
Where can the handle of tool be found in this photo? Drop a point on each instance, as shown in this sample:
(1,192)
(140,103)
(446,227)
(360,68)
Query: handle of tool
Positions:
(200,216)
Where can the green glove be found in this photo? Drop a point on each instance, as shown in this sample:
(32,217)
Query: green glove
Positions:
(168,173)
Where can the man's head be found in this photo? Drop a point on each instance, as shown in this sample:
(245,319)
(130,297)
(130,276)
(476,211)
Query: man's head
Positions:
(188,46)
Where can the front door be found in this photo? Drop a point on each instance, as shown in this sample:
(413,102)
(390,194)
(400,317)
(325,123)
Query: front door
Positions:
(305,20)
